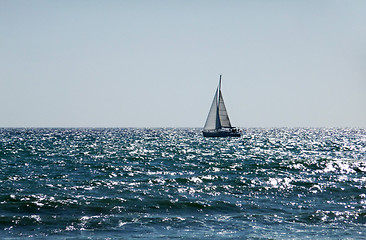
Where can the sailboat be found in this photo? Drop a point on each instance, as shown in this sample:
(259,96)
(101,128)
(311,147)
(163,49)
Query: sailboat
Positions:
(218,122)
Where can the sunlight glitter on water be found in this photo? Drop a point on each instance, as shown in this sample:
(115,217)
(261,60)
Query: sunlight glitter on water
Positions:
(162,183)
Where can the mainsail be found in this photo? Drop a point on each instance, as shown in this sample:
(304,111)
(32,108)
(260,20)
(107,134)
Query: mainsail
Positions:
(224,117)
(217,117)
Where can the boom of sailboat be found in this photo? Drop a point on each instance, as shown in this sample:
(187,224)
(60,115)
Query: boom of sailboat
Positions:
(218,122)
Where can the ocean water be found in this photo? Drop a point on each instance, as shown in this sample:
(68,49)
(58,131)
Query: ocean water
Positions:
(174,184)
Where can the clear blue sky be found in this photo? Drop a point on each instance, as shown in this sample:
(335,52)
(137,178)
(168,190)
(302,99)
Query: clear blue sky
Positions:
(157,63)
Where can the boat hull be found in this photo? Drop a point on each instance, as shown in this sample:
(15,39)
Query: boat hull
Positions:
(221,134)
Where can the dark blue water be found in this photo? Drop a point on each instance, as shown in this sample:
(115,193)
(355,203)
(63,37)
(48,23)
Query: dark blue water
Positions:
(173,183)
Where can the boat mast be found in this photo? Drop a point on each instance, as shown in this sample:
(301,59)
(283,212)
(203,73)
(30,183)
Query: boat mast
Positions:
(220,83)
(219,92)
(218,98)
(218,122)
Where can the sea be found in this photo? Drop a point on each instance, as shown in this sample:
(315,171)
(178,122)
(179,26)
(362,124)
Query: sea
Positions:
(172,183)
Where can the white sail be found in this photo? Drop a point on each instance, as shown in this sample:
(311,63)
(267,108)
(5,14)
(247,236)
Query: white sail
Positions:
(223,116)
(212,117)
(217,117)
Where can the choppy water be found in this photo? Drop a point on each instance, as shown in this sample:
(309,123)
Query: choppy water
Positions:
(173,183)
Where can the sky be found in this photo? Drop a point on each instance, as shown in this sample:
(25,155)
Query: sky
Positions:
(157,63)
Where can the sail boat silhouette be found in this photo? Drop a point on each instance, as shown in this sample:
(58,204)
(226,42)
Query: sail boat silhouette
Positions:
(218,122)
